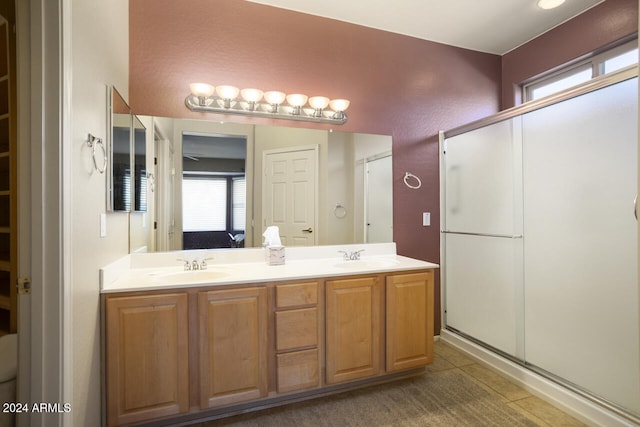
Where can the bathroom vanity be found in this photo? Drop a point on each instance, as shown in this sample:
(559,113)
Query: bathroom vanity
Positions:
(184,344)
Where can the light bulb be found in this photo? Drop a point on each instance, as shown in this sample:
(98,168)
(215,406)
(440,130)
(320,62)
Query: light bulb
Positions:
(275,98)
(252,96)
(549,4)
(227,92)
(202,91)
(296,100)
(318,103)
(339,106)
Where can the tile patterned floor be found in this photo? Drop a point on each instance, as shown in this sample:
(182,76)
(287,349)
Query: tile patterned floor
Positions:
(535,409)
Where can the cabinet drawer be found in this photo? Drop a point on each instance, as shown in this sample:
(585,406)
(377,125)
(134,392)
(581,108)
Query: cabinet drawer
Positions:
(296,295)
(298,370)
(296,329)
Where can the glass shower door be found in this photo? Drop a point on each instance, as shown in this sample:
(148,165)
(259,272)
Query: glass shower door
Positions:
(581,258)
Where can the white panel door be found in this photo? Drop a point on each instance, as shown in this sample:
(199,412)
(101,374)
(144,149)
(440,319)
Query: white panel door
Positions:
(581,258)
(289,194)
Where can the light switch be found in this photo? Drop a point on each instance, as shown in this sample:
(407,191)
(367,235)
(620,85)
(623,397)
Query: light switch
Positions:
(426,219)
(103,225)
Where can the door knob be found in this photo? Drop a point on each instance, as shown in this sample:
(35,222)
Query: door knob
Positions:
(308,230)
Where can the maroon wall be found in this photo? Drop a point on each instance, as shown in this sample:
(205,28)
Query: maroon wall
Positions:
(398,85)
(588,33)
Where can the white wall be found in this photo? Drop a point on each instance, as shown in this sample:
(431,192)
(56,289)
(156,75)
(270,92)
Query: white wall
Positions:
(100,56)
(340,180)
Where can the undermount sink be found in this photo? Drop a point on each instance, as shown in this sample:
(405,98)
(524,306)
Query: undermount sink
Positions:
(188,276)
(367,263)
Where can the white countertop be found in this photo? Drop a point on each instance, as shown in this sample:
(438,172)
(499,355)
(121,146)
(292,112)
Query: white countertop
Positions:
(162,270)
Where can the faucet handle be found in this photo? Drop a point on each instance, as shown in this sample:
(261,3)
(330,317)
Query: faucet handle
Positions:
(355,255)
(345,255)
(203,263)
(187,264)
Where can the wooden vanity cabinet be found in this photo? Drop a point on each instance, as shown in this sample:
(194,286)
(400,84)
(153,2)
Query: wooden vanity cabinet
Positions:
(232,345)
(353,329)
(217,350)
(409,321)
(147,369)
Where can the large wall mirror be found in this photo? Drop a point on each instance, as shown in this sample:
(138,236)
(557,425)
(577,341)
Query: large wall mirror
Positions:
(219,185)
(127,178)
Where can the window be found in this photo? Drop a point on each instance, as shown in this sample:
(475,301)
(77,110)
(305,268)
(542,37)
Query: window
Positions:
(204,204)
(604,63)
(213,203)
(239,203)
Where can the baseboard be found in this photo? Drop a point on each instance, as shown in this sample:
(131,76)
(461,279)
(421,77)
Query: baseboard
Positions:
(574,404)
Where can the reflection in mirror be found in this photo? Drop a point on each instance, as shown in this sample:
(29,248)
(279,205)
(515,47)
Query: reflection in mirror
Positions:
(213,191)
(344,205)
(140,165)
(119,182)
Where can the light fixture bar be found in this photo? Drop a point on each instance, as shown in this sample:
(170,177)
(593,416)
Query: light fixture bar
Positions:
(271,106)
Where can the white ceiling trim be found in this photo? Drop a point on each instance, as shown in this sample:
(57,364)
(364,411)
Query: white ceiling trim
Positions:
(491,26)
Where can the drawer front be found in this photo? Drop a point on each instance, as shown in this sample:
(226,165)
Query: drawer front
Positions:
(298,370)
(296,295)
(296,329)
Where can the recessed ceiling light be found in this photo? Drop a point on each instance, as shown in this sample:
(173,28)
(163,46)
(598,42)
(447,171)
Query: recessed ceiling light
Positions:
(549,4)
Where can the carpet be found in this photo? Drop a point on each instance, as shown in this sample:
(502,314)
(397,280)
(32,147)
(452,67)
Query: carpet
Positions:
(444,398)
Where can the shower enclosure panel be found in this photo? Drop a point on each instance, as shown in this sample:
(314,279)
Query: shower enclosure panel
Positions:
(482,234)
(581,257)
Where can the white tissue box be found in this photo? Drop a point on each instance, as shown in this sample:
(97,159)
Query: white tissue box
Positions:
(274,255)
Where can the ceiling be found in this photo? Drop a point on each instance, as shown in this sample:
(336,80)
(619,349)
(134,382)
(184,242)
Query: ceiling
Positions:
(492,26)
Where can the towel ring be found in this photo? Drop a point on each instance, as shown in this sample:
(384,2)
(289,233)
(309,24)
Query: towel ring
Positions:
(339,211)
(92,142)
(408,175)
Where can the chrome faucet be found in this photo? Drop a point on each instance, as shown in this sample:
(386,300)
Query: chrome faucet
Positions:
(351,256)
(187,264)
(194,265)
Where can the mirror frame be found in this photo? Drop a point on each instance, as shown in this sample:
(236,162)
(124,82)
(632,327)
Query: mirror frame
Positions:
(138,168)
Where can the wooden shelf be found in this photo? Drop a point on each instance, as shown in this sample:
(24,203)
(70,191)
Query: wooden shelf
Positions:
(8,178)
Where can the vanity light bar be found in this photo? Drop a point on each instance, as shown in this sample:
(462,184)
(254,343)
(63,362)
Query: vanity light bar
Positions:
(223,99)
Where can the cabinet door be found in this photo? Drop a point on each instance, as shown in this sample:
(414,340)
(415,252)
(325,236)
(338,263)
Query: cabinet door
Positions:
(409,321)
(233,345)
(147,357)
(353,329)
